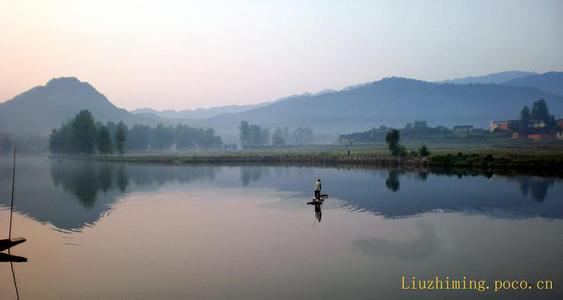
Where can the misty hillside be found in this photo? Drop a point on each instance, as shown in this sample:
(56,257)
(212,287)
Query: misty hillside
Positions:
(395,102)
(499,77)
(200,113)
(551,82)
(42,108)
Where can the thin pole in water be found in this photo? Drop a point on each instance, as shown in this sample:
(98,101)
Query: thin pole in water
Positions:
(12,203)
(14,277)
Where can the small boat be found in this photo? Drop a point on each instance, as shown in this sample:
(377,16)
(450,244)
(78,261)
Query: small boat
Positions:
(4,257)
(319,200)
(9,243)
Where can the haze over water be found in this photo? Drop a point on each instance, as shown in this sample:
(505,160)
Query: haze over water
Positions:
(117,231)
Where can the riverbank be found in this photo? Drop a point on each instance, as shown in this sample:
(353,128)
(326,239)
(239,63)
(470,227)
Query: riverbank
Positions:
(525,161)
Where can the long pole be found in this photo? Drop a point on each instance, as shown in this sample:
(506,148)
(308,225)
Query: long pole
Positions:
(14,277)
(12,203)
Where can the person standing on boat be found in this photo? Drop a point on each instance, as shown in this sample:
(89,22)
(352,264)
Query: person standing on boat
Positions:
(318,189)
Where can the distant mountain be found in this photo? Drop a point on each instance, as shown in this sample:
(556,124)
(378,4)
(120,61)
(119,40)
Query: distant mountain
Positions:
(490,78)
(200,113)
(42,108)
(395,102)
(551,82)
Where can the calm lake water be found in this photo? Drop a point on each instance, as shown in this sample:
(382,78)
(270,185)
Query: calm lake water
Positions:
(119,231)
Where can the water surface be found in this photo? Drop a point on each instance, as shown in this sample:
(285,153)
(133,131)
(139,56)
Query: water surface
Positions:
(118,231)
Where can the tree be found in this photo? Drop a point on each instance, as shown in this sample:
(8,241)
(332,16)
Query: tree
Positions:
(138,139)
(56,142)
(524,119)
(277,137)
(84,132)
(392,139)
(112,128)
(423,151)
(419,125)
(303,135)
(162,137)
(120,137)
(187,137)
(255,138)
(208,139)
(252,135)
(5,143)
(264,137)
(551,124)
(244,134)
(402,151)
(540,111)
(75,135)
(103,141)
(376,135)
(191,138)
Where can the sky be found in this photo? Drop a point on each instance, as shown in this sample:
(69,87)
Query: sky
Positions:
(189,54)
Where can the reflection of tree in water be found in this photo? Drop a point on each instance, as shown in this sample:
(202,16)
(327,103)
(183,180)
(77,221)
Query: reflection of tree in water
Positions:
(422,175)
(254,173)
(460,173)
(106,177)
(536,187)
(122,180)
(85,178)
(161,174)
(392,181)
(5,176)
(81,179)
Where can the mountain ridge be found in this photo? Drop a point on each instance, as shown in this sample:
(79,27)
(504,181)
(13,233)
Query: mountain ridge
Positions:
(550,82)
(498,77)
(199,113)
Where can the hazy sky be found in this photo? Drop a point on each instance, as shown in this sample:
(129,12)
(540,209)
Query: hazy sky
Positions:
(188,54)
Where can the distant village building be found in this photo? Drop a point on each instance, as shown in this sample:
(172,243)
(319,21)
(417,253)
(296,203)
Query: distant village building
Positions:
(508,125)
(537,130)
(537,124)
(463,128)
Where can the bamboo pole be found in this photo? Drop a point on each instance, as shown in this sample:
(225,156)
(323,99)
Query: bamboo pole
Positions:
(12,202)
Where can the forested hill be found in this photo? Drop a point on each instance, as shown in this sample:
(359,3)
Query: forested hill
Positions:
(395,102)
(42,108)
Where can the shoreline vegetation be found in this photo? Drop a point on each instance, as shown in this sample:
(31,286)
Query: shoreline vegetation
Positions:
(545,162)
